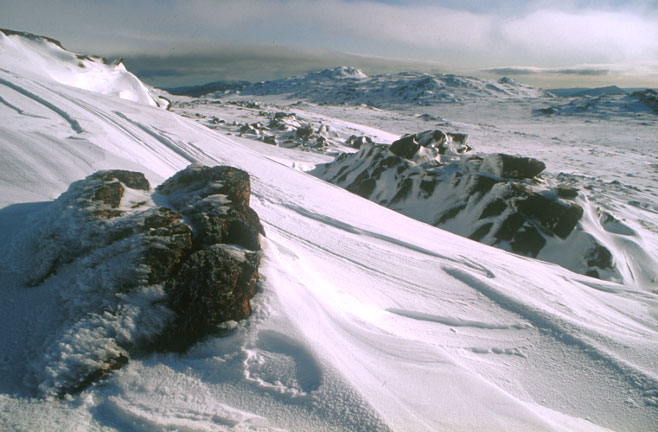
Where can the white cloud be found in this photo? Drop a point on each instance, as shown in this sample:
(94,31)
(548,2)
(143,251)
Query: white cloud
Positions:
(539,33)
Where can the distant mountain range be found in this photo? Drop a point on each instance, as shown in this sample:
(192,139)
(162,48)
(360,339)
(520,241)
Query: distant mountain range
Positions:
(348,85)
(596,91)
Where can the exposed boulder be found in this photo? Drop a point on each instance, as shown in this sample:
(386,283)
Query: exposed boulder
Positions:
(406,147)
(135,276)
(429,145)
(514,167)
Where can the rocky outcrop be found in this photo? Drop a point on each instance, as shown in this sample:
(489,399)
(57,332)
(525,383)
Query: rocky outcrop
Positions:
(497,199)
(136,276)
(427,145)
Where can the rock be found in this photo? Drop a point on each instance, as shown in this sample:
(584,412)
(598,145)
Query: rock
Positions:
(564,191)
(197,182)
(406,147)
(514,167)
(432,138)
(458,138)
(556,217)
(213,286)
(269,139)
(357,141)
(180,271)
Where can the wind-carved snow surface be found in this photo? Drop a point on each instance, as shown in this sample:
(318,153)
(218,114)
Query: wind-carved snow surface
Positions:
(366,319)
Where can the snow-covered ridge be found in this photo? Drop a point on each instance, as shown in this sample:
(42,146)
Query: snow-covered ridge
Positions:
(495,199)
(45,59)
(345,85)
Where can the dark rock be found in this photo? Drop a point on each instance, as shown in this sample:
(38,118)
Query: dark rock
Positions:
(406,147)
(269,139)
(362,185)
(132,179)
(304,132)
(459,138)
(564,191)
(482,184)
(403,191)
(196,182)
(599,256)
(514,167)
(213,286)
(547,111)
(111,364)
(557,218)
(428,186)
(450,214)
(482,231)
(109,193)
(528,241)
(357,141)
(432,138)
(509,227)
(494,208)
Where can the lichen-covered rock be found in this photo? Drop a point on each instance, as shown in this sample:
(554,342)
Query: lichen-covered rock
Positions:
(213,286)
(135,276)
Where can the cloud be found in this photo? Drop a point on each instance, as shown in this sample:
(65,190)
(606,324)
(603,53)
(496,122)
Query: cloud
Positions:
(464,33)
(257,62)
(530,70)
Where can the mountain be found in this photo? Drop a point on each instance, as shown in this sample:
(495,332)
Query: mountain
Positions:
(606,105)
(348,85)
(582,91)
(364,319)
(213,87)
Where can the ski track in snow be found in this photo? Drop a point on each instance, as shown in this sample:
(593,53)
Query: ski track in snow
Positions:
(72,122)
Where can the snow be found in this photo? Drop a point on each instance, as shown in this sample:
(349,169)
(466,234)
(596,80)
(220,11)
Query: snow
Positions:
(365,320)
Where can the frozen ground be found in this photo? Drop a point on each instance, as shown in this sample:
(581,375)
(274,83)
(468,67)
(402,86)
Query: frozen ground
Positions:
(366,319)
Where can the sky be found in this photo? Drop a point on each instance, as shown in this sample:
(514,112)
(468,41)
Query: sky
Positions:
(557,43)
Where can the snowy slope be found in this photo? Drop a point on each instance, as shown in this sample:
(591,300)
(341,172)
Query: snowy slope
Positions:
(45,59)
(366,319)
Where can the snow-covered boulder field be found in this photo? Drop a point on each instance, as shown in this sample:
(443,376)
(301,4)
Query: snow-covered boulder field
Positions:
(133,270)
(496,199)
